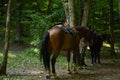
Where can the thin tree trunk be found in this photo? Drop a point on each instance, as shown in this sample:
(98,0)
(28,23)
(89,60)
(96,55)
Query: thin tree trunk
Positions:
(119,9)
(72,13)
(85,13)
(2,7)
(111,28)
(19,32)
(65,6)
(119,6)
(84,23)
(19,28)
(3,66)
(49,6)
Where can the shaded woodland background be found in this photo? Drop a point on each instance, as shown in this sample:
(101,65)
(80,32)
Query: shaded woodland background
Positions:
(29,19)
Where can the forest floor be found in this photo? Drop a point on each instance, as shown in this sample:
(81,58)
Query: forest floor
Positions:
(31,70)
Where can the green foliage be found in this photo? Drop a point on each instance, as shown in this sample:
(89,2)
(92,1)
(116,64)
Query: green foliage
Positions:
(9,78)
(99,14)
(21,61)
(31,52)
(38,23)
(36,17)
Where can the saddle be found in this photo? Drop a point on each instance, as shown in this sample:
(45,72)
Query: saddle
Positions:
(68,30)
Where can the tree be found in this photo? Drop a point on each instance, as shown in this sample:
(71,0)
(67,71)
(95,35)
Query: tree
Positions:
(119,6)
(85,13)
(119,9)
(49,6)
(2,5)
(111,28)
(84,23)
(5,55)
(66,10)
(19,28)
(72,20)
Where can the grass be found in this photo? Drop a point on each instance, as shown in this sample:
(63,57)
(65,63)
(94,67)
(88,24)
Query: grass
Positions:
(27,59)
(18,61)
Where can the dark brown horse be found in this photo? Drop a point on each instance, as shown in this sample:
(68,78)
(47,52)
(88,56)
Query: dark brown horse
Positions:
(95,47)
(56,40)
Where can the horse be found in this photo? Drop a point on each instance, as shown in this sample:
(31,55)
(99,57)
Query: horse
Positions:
(56,40)
(95,47)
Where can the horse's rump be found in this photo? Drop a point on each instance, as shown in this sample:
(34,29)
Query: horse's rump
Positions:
(62,40)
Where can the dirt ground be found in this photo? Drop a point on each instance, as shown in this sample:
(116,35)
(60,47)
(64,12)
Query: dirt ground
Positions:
(109,70)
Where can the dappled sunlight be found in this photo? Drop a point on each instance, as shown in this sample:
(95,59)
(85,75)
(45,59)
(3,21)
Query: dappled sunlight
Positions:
(117,49)
(1,54)
(36,50)
(35,72)
(10,54)
(106,44)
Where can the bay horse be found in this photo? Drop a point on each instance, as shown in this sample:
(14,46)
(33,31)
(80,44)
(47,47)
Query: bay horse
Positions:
(56,40)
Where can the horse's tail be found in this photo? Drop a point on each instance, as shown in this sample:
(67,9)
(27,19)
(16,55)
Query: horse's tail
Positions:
(44,51)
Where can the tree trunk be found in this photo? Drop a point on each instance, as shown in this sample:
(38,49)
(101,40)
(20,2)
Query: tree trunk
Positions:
(19,32)
(84,23)
(19,28)
(119,6)
(3,66)
(119,9)
(111,28)
(82,49)
(2,6)
(65,6)
(85,13)
(72,13)
(49,7)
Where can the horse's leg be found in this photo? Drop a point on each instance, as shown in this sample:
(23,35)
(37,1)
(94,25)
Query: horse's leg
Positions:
(92,58)
(96,57)
(99,58)
(92,55)
(68,60)
(49,70)
(56,53)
